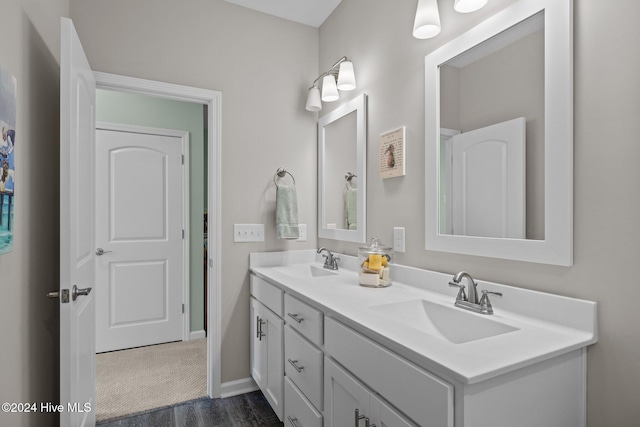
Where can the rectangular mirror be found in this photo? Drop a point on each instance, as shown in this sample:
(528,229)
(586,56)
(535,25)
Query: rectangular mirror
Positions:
(499,141)
(342,153)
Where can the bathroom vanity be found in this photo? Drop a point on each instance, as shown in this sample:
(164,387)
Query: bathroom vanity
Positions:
(328,352)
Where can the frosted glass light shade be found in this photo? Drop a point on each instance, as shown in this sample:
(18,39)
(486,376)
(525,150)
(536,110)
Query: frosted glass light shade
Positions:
(346,76)
(329,89)
(466,6)
(427,22)
(313,100)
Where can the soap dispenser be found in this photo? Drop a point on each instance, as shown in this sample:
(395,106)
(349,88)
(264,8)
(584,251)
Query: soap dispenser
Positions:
(375,264)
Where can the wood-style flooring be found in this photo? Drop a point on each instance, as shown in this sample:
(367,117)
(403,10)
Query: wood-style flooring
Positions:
(246,410)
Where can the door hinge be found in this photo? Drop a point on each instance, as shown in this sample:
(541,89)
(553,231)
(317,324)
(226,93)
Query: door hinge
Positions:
(183,159)
(183,233)
(182,308)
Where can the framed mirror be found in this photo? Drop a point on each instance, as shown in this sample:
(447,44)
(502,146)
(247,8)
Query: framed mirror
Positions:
(499,137)
(342,175)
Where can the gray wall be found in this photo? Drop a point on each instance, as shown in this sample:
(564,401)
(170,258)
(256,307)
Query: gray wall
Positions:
(263,66)
(30,50)
(141,110)
(389,63)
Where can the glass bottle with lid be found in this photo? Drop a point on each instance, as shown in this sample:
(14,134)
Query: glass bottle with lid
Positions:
(375,263)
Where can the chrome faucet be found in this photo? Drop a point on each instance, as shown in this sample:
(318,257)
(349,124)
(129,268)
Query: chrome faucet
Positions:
(469,300)
(472,286)
(330,261)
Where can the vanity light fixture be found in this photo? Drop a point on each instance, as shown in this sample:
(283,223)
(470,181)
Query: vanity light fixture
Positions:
(427,22)
(329,89)
(346,80)
(466,6)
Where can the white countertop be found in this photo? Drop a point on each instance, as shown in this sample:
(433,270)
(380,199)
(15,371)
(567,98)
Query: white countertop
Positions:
(548,325)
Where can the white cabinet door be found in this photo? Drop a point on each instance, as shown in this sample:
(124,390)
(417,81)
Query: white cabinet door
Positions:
(344,397)
(385,416)
(267,353)
(258,369)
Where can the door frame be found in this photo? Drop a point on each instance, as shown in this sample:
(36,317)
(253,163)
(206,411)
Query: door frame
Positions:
(213,100)
(184,142)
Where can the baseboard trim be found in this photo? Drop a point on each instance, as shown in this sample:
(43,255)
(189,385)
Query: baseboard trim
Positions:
(241,386)
(196,335)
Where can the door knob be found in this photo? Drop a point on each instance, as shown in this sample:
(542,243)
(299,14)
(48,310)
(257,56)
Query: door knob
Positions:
(101,252)
(76,292)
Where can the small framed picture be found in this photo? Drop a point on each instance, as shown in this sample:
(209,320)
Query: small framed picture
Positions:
(392,153)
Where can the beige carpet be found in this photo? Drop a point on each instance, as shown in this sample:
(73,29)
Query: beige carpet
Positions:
(139,379)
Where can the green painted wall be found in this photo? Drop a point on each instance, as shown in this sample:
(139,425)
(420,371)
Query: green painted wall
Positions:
(141,110)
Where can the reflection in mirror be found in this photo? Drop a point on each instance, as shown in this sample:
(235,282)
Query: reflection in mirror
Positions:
(499,137)
(342,172)
(340,196)
(492,136)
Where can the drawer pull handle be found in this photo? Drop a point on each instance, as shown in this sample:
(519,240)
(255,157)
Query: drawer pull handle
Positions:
(294,363)
(295,317)
(293,421)
(366,423)
(358,417)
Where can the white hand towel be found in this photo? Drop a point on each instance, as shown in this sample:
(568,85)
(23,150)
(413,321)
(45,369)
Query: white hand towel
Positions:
(351,208)
(286,212)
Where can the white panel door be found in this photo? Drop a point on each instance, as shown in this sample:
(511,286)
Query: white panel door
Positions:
(139,226)
(77,315)
(488,173)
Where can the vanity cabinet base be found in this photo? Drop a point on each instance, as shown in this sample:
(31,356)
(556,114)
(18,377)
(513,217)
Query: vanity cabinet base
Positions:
(549,393)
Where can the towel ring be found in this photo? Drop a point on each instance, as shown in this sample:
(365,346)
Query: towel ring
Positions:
(280,173)
(348,177)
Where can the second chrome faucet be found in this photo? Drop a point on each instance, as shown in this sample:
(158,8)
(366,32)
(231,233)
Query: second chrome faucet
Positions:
(469,299)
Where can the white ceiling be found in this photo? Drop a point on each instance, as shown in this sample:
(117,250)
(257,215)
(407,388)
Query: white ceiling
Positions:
(308,12)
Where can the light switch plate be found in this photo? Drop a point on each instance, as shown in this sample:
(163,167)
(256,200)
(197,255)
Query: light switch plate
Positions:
(244,233)
(302,236)
(398,239)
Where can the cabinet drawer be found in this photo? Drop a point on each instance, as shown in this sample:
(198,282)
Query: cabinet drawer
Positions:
(299,412)
(422,396)
(267,294)
(303,365)
(304,319)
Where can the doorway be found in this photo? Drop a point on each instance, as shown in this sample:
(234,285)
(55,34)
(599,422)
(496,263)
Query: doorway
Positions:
(209,102)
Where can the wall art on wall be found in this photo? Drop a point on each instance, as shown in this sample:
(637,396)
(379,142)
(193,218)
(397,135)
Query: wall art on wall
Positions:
(392,153)
(8,89)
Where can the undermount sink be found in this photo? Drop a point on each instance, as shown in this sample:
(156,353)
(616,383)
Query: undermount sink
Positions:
(304,271)
(449,323)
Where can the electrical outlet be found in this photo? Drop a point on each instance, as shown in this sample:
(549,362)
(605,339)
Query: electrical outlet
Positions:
(398,239)
(302,236)
(244,233)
